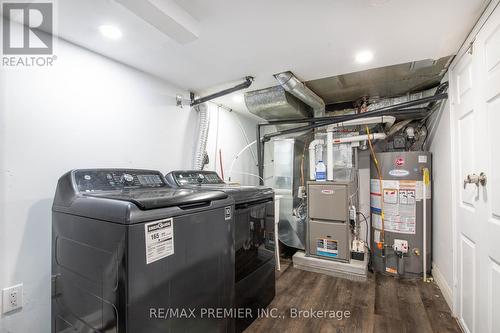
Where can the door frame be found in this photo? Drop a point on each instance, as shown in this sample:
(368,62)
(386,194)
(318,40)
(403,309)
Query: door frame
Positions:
(464,48)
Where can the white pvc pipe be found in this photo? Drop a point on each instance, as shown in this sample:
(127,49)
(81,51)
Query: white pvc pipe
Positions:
(276,226)
(312,158)
(373,136)
(388,120)
(424,199)
(230,173)
(329,155)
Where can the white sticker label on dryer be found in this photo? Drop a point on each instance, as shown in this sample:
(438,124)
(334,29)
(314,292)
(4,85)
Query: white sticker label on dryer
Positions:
(159,239)
(228,213)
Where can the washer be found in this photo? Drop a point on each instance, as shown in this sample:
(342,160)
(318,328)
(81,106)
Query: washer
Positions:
(128,251)
(254,238)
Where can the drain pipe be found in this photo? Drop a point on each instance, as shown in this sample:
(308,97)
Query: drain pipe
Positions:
(312,157)
(387,120)
(372,136)
(329,155)
(293,85)
(425,180)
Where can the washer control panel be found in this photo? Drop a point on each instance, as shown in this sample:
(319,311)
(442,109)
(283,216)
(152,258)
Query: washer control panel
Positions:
(116,179)
(194,177)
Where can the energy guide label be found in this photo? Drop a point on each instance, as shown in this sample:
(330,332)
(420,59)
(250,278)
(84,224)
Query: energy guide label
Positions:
(159,237)
(326,247)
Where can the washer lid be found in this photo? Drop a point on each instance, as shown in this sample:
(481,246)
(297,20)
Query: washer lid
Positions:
(162,198)
(210,180)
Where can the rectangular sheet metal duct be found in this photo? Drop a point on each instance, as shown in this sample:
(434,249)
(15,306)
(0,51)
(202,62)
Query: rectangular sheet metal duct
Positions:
(166,16)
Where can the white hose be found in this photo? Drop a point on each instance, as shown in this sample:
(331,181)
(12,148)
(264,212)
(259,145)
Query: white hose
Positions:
(201,142)
(249,174)
(230,173)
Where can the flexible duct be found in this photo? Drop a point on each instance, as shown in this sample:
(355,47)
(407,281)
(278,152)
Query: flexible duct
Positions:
(201,142)
(293,85)
(312,157)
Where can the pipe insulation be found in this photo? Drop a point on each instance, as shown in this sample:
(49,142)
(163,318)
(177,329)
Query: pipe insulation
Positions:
(295,87)
(312,157)
(201,142)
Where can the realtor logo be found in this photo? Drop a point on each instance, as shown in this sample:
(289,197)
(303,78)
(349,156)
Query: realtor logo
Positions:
(27,28)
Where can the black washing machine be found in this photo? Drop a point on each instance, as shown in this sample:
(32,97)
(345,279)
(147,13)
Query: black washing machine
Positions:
(254,238)
(131,254)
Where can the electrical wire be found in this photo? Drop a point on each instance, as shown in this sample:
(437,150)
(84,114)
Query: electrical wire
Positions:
(366,243)
(366,223)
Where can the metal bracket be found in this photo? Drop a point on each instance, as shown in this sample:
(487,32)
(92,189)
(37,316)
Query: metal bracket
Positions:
(244,85)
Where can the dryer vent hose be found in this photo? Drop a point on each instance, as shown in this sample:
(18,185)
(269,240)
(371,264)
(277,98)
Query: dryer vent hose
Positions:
(201,142)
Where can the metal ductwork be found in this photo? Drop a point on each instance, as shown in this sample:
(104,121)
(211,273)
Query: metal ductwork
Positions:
(275,103)
(294,86)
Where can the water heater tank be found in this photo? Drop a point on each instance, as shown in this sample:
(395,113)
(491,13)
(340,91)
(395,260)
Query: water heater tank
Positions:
(399,194)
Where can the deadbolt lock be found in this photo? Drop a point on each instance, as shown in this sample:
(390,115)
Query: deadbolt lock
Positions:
(475,179)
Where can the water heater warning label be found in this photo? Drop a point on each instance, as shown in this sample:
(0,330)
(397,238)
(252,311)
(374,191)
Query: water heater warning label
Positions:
(159,239)
(397,199)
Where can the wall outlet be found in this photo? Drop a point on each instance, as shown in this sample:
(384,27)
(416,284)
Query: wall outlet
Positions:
(12,298)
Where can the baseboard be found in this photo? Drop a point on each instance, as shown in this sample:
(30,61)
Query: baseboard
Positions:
(441,283)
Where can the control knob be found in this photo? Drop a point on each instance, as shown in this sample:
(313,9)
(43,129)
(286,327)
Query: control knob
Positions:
(127,179)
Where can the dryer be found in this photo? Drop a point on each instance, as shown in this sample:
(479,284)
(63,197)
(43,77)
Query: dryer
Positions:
(254,238)
(128,252)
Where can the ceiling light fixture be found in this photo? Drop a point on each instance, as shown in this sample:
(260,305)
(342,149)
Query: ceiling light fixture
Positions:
(364,57)
(110,31)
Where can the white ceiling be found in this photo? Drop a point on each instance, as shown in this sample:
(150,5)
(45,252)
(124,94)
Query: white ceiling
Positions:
(314,39)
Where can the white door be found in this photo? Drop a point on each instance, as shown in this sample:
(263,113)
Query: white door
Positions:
(475,89)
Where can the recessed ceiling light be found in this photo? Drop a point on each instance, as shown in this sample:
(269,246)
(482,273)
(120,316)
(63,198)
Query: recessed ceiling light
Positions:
(110,31)
(364,56)
(238,98)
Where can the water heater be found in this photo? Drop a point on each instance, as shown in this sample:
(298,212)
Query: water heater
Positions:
(397,198)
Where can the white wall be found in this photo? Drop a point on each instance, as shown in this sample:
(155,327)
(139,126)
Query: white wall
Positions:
(87,111)
(442,238)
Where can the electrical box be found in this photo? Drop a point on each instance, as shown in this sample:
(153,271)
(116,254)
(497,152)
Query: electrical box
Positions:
(400,245)
(328,227)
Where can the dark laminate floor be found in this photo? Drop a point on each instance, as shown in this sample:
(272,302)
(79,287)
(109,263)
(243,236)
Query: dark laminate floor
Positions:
(383,304)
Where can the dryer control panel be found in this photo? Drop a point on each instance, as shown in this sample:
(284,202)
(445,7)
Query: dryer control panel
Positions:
(116,179)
